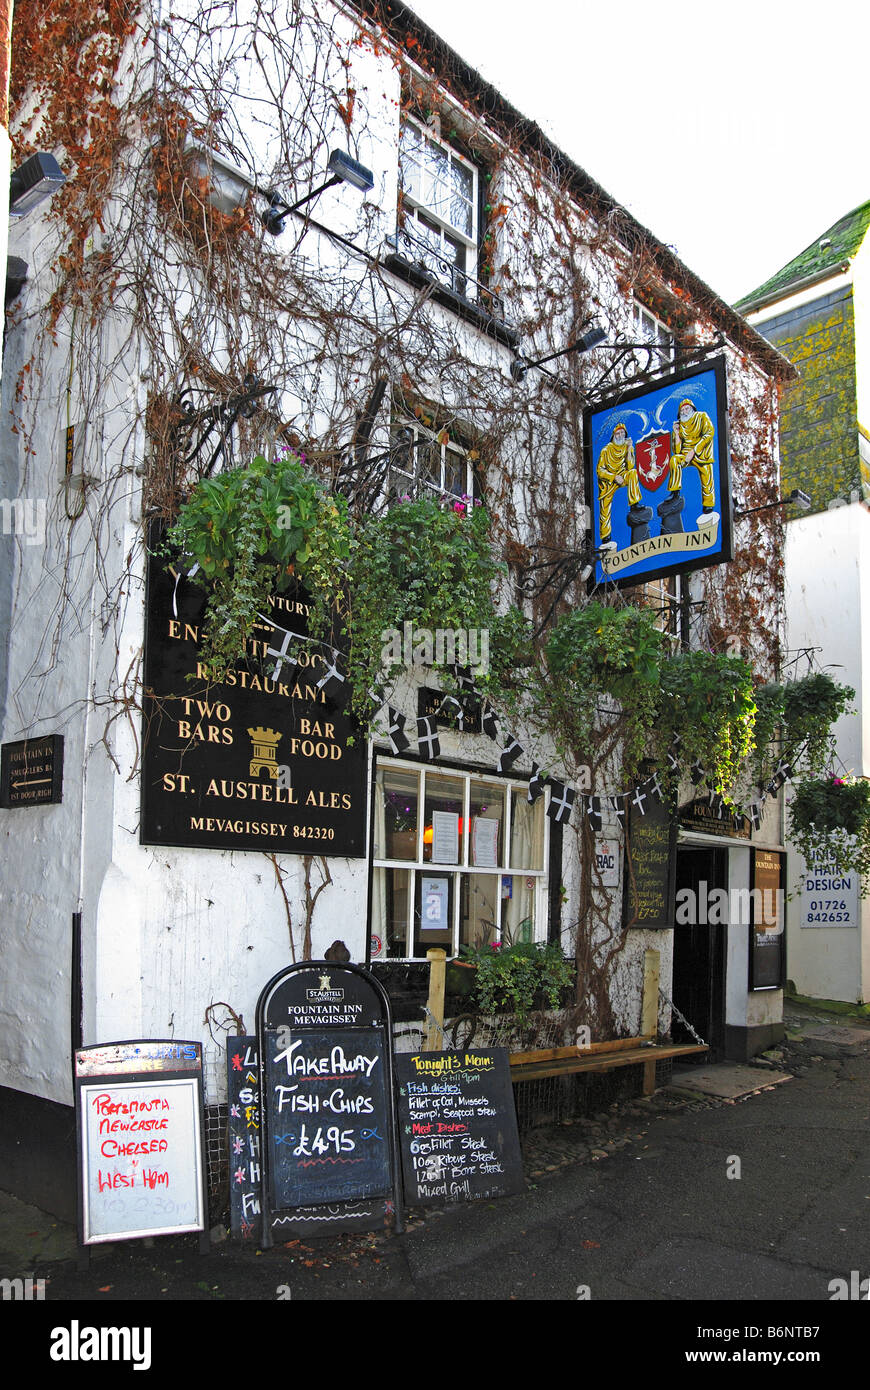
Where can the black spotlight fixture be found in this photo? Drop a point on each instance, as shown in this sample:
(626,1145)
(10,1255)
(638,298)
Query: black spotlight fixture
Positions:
(33,181)
(342,169)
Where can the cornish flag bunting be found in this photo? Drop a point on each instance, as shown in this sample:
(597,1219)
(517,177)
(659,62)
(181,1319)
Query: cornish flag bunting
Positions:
(638,800)
(593,810)
(561,801)
(281,650)
(489,723)
(536,784)
(331,673)
(396,731)
(428,744)
(509,755)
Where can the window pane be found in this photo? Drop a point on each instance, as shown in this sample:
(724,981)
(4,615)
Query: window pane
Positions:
(486,848)
(456,473)
(433,911)
(527,832)
(390,910)
(478,913)
(396,804)
(517,909)
(443,794)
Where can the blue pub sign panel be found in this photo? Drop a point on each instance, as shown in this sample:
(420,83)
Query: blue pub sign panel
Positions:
(658,477)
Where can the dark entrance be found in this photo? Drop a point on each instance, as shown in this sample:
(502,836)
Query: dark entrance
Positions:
(699,949)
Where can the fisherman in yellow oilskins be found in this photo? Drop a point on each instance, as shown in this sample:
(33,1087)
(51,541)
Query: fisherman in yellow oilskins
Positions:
(693,445)
(616,468)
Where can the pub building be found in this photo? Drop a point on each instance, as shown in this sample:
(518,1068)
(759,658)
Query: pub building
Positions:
(192,839)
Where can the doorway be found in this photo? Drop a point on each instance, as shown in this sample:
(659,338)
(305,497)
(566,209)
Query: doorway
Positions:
(699,948)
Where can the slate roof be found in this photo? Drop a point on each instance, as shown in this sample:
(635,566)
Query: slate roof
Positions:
(816,262)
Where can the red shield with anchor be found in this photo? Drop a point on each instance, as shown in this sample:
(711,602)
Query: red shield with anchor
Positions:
(652,456)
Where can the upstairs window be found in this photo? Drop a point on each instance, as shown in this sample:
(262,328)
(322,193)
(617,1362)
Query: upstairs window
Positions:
(647,328)
(429,461)
(440,199)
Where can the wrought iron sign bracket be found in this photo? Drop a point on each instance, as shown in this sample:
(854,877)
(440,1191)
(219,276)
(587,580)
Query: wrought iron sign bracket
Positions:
(627,365)
(204,434)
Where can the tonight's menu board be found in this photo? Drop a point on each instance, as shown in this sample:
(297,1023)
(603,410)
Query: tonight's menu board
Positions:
(457,1126)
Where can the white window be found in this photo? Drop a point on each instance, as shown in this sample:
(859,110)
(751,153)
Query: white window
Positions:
(459,860)
(425,460)
(440,204)
(650,329)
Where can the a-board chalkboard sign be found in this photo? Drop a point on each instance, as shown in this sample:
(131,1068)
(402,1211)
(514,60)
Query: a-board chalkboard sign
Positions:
(328,1109)
(457,1126)
(243,1136)
(649,884)
(139,1118)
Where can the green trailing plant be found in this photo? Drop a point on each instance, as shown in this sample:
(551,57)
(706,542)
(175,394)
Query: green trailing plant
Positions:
(830,816)
(517,979)
(426,562)
(795,720)
(253,532)
(707,700)
(595,651)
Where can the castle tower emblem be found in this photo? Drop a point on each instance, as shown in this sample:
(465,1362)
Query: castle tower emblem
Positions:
(265,743)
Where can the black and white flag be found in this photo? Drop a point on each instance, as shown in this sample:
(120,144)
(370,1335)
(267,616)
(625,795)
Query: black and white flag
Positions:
(428,744)
(536,784)
(331,673)
(489,723)
(282,641)
(561,801)
(655,788)
(593,810)
(616,803)
(638,799)
(399,742)
(509,754)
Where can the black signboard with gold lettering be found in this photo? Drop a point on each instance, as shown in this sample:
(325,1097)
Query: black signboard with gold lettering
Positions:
(650,863)
(261,761)
(31,772)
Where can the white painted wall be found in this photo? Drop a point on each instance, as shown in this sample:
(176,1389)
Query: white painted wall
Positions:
(828,605)
(168,931)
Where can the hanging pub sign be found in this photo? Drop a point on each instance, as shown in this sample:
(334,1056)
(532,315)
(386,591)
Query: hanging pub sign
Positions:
(658,477)
(329,1147)
(767,932)
(270,758)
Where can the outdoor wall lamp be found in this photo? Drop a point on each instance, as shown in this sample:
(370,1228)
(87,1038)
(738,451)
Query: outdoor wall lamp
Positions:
(33,181)
(228,185)
(342,168)
(796,498)
(590,339)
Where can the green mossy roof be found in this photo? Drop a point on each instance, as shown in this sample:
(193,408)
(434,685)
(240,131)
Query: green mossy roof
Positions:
(845,239)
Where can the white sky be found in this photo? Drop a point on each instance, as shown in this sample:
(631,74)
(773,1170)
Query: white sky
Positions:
(736,132)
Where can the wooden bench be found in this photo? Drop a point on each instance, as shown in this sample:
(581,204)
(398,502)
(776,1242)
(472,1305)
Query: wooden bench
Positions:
(599,1056)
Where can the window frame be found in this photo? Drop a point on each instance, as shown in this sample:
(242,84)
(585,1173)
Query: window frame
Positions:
(512,788)
(416,486)
(460,278)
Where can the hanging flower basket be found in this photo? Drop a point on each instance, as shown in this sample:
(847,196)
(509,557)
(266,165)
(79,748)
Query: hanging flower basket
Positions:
(830,816)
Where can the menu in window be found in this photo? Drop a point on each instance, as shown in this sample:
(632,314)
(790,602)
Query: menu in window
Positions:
(434,896)
(445,837)
(484,843)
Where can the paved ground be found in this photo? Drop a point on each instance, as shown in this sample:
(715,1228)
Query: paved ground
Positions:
(732,1211)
